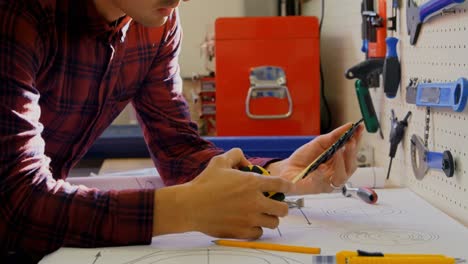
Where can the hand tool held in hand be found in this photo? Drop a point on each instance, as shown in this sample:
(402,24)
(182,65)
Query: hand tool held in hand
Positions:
(362,257)
(267,246)
(365,194)
(328,153)
(417,15)
(325,156)
(396,135)
(392,69)
(260,170)
(297,203)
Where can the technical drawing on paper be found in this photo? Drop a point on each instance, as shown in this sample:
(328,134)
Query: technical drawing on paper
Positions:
(213,256)
(367,211)
(400,222)
(389,237)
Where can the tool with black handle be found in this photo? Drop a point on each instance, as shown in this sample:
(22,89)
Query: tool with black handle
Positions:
(324,157)
(263,171)
(391,69)
(374,33)
(367,74)
(396,135)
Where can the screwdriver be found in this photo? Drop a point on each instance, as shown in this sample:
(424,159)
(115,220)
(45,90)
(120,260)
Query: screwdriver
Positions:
(324,157)
(396,135)
(392,69)
(260,170)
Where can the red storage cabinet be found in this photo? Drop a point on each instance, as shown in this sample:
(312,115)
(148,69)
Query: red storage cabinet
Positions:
(267,76)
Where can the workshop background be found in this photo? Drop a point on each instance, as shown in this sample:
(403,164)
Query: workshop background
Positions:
(439,56)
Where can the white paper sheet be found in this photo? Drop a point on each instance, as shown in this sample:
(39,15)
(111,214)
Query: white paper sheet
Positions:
(401,222)
(118,182)
(135,179)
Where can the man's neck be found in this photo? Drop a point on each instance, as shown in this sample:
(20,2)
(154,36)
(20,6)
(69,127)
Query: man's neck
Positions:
(108,10)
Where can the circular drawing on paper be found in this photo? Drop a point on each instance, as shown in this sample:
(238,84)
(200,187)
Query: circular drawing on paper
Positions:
(389,237)
(213,256)
(371,210)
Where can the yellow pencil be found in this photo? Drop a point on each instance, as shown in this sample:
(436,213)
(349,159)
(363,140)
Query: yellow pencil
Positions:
(267,246)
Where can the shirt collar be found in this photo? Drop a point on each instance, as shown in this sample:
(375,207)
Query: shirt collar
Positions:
(87,20)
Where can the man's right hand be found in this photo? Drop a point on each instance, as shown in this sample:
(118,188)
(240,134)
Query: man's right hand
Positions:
(222,201)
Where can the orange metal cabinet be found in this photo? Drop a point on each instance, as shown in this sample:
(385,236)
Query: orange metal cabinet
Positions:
(249,51)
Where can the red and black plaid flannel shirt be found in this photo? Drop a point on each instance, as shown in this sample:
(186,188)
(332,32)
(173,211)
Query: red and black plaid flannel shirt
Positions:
(65,74)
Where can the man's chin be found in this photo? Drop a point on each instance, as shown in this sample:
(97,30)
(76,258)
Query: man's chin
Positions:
(155,22)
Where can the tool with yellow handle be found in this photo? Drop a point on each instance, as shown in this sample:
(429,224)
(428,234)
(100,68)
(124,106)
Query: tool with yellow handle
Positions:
(262,171)
(362,257)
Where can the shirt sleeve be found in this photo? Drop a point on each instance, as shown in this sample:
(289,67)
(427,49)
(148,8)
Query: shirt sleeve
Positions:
(178,151)
(37,213)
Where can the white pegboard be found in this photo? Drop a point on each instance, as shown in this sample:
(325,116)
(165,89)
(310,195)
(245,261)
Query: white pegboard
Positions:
(440,55)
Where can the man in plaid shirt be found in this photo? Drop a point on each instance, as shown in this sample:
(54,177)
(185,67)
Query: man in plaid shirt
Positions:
(67,69)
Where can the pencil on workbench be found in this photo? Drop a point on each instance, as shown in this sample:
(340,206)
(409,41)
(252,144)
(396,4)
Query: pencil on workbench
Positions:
(267,246)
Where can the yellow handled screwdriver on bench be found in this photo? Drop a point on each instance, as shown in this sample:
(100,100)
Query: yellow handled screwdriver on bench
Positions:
(324,157)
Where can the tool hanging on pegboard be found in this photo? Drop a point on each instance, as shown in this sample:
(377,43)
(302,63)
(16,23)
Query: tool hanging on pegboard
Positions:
(396,135)
(422,159)
(392,20)
(392,67)
(439,95)
(367,73)
(417,15)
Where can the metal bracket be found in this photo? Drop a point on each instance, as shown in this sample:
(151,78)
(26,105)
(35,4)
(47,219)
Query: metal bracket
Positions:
(422,160)
(268,81)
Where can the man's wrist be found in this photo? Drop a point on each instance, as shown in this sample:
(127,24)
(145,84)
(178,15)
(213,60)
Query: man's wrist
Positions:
(274,167)
(171,210)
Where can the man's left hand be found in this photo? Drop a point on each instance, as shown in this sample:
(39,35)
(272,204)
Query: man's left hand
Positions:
(334,172)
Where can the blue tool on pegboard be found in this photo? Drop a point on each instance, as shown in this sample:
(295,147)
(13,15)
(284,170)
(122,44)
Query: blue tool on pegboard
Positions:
(417,15)
(443,95)
(422,159)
